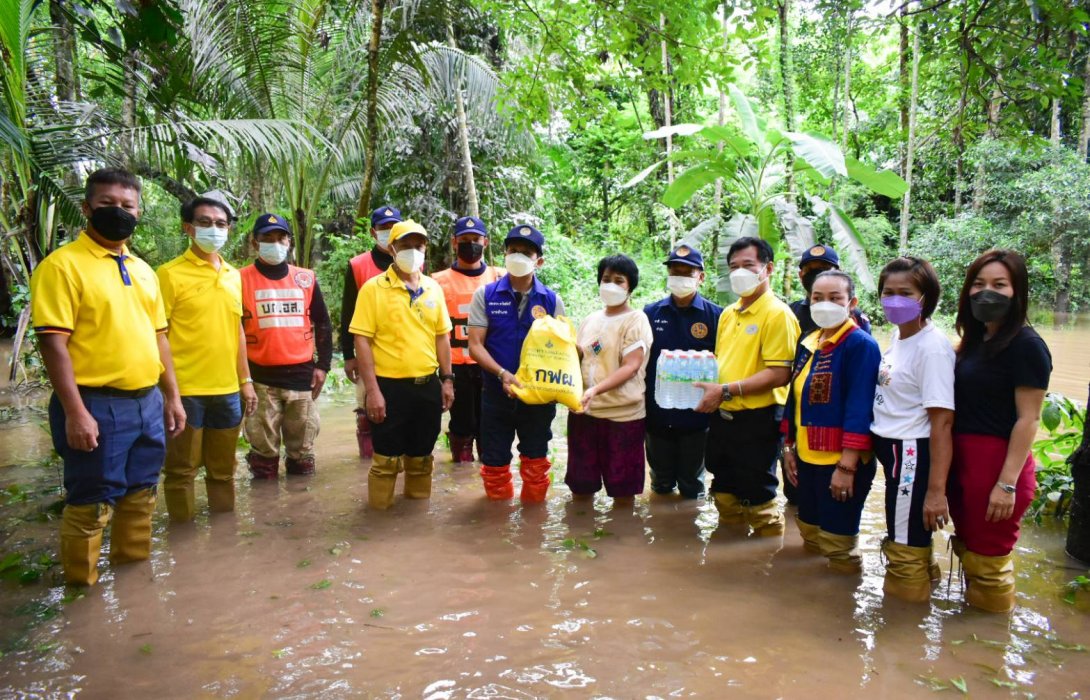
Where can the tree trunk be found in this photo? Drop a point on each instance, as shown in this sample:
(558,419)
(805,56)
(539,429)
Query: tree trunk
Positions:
(980,187)
(959,123)
(1084,134)
(1078,531)
(905,85)
(722,120)
(668,113)
(468,180)
(910,147)
(1054,124)
(363,206)
(847,85)
(787,79)
(64,53)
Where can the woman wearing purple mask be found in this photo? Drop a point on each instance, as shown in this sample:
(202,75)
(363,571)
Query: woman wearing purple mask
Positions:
(913,420)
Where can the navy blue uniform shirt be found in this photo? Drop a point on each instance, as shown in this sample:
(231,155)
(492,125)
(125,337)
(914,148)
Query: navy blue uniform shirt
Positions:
(690,328)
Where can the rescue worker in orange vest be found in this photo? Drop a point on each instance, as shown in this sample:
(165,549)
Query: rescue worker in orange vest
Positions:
(360,269)
(286,324)
(468,273)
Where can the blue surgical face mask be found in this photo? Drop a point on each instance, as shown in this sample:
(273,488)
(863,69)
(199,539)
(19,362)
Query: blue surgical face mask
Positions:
(209,238)
(272,253)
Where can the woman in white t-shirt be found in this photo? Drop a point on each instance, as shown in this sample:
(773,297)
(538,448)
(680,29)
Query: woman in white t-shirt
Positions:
(605,441)
(913,422)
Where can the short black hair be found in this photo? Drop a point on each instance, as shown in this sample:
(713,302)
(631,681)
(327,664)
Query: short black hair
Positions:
(764,251)
(110,176)
(839,274)
(923,276)
(189,209)
(622,264)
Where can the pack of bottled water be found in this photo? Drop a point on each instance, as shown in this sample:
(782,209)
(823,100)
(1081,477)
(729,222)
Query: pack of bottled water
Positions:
(675,373)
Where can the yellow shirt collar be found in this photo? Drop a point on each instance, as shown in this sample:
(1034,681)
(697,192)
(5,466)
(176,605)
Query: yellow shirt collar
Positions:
(198,260)
(758,304)
(835,337)
(89,243)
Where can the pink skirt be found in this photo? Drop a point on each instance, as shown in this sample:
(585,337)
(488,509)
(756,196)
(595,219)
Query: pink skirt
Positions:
(978,460)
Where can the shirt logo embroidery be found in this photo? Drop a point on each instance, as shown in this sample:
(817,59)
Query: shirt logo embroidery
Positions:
(596,347)
(699,331)
(751,329)
(538,311)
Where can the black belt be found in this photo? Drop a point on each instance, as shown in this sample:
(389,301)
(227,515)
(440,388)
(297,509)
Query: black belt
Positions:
(410,380)
(750,412)
(116,393)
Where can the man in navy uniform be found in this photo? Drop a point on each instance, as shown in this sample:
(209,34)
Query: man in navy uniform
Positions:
(814,261)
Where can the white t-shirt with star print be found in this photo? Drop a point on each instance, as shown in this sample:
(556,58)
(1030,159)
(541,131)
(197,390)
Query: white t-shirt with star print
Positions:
(916,374)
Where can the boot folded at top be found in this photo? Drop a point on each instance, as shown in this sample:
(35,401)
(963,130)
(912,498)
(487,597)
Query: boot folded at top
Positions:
(841,551)
(989,581)
(765,519)
(908,571)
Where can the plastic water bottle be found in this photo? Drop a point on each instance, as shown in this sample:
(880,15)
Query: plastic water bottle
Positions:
(692,374)
(663,388)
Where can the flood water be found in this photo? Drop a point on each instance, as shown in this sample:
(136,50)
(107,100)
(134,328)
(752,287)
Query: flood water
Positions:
(304,592)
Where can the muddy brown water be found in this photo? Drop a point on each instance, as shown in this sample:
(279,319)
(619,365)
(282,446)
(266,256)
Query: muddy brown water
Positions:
(304,593)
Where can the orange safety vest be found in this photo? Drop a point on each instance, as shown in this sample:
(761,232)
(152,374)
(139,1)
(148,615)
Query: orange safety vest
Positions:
(364,268)
(458,290)
(276,316)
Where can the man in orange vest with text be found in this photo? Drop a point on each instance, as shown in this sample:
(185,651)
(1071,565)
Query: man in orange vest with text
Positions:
(360,269)
(286,323)
(468,273)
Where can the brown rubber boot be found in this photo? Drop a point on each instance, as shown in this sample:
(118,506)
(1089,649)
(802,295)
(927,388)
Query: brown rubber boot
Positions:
(81,541)
(766,519)
(729,508)
(907,575)
(363,435)
(498,484)
(183,460)
(219,448)
(989,582)
(418,471)
(810,536)
(842,551)
(130,532)
(381,480)
(263,467)
(461,448)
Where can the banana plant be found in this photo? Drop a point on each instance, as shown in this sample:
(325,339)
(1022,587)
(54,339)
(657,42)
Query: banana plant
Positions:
(753,161)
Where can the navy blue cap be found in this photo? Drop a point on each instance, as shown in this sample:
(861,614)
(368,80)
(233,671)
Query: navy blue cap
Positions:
(271,222)
(686,256)
(526,232)
(469,224)
(821,253)
(385,215)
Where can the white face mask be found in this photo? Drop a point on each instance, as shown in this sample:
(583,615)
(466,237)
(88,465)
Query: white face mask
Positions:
(272,253)
(743,281)
(409,260)
(612,294)
(828,314)
(682,287)
(382,237)
(519,265)
(209,239)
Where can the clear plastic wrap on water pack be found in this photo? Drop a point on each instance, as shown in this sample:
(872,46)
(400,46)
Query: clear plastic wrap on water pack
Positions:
(675,373)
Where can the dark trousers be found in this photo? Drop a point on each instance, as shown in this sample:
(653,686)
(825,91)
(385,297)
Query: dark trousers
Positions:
(502,418)
(131,447)
(216,412)
(742,453)
(414,413)
(817,505)
(907,468)
(677,459)
(465,413)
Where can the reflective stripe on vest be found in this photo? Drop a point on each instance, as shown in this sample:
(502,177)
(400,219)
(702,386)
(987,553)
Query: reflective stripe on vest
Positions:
(505,333)
(364,268)
(458,290)
(276,316)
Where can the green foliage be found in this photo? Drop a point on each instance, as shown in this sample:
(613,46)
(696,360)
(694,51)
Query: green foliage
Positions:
(1062,420)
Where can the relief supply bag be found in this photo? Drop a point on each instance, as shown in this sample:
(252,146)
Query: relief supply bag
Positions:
(549,365)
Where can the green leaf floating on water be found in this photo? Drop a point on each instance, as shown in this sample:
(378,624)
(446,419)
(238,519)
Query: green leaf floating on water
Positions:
(377,612)
(145,649)
(960,684)
(322,585)
(303,564)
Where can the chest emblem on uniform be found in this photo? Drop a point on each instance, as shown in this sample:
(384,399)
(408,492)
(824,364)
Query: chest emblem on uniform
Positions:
(596,347)
(699,330)
(430,303)
(751,329)
(303,280)
(538,311)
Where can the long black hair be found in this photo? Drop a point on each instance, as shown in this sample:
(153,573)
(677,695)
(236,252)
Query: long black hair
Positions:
(971,330)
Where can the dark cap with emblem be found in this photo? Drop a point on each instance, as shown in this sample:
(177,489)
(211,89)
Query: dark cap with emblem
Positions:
(271,222)
(469,224)
(820,253)
(525,232)
(685,255)
(385,215)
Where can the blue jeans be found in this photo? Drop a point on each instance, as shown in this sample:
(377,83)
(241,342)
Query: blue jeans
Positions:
(502,418)
(130,452)
(216,412)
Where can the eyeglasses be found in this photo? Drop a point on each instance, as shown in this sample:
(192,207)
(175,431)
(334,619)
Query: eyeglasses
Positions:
(205,221)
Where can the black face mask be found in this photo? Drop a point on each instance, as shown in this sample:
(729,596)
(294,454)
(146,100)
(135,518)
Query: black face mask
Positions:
(988,306)
(113,223)
(470,252)
(808,280)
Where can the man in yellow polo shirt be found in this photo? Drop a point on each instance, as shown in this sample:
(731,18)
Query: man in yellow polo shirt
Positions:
(202,295)
(101,328)
(401,328)
(755,349)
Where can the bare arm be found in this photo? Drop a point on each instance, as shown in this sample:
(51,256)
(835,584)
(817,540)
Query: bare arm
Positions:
(442,351)
(767,379)
(245,383)
(630,366)
(376,402)
(1028,403)
(936,510)
(173,413)
(81,430)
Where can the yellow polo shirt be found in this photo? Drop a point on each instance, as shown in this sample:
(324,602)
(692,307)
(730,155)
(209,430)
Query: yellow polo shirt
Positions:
(204,311)
(762,335)
(402,330)
(802,445)
(78,290)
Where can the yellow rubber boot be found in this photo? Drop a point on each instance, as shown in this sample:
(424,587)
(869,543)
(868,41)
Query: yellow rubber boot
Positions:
(907,571)
(130,533)
(81,541)
(766,519)
(418,472)
(730,509)
(989,582)
(183,459)
(842,551)
(809,536)
(219,448)
(381,480)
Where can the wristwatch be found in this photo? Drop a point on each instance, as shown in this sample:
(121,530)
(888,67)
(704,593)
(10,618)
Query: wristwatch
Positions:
(727,396)
(1007,488)
(445,377)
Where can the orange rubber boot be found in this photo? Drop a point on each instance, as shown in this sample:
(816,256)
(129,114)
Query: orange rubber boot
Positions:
(535,478)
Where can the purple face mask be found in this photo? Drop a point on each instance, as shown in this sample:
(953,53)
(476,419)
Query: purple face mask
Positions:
(901,309)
